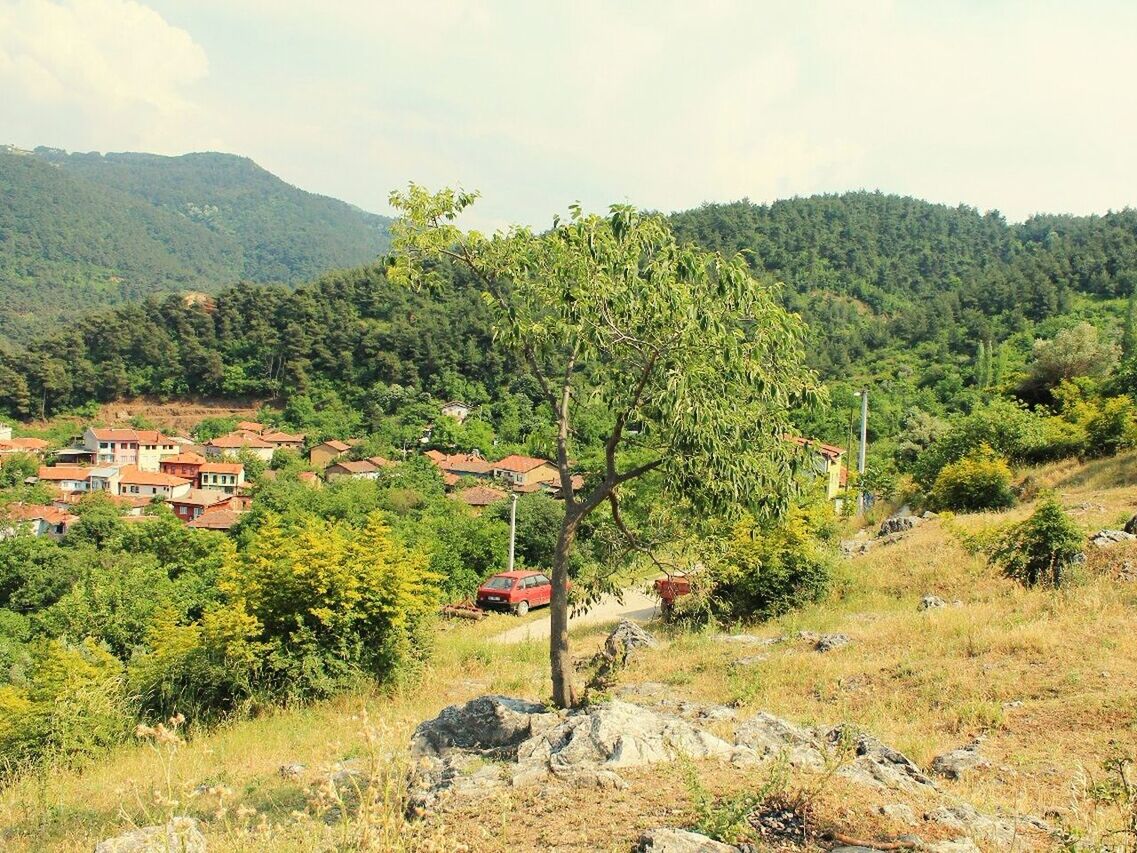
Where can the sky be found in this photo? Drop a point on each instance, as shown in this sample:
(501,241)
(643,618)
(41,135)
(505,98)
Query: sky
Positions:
(1024,107)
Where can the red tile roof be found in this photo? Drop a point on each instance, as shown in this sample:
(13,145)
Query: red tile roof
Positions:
(218,519)
(27,512)
(231,441)
(480,496)
(283,437)
(825,449)
(520,464)
(223,468)
(381,462)
(63,472)
(462,463)
(252,426)
(202,497)
(130,475)
(27,445)
(141,436)
(363,466)
(336,445)
(189,458)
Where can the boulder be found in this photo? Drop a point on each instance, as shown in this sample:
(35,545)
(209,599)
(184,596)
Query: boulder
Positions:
(488,724)
(1106,538)
(1131,526)
(1000,831)
(898,524)
(680,841)
(877,764)
(856,547)
(770,737)
(618,734)
(179,835)
(829,642)
(954,845)
(928,602)
(959,762)
(625,639)
(749,639)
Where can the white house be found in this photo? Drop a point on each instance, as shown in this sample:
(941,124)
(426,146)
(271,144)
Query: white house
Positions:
(457,410)
(137,483)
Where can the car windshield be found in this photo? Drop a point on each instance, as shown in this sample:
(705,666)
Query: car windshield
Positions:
(499,583)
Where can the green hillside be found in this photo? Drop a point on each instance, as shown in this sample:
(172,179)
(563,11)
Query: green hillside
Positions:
(78,231)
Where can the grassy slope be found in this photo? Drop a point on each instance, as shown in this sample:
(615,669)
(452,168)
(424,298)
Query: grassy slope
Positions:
(924,682)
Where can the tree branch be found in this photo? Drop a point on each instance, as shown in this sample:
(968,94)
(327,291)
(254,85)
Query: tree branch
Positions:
(633,542)
(563,428)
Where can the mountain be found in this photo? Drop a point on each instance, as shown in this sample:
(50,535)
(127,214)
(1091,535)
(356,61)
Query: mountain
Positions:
(80,231)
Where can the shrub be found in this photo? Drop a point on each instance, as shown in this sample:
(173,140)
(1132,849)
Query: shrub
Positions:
(1040,549)
(766,570)
(979,481)
(1111,427)
(69,705)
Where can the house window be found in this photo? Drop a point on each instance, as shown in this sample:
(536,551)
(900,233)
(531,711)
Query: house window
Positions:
(134,490)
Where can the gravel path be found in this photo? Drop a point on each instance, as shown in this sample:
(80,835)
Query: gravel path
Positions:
(636,606)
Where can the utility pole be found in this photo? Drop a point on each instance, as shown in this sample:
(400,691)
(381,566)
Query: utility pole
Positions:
(864,395)
(512,529)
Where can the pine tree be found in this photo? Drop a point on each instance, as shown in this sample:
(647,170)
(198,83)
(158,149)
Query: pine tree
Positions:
(1129,334)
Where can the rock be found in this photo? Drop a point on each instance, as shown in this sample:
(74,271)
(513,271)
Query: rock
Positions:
(680,841)
(930,601)
(1131,526)
(1001,831)
(808,636)
(770,737)
(618,734)
(829,642)
(291,771)
(898,524)
(749,639)
(179,835)
(928,514)
(1106,538)
(900,813)
(488,724)
(959,762)
(856,547)
(1014,703)
(878,764)
(625,639)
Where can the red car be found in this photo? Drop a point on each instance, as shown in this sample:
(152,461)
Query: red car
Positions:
(515,591)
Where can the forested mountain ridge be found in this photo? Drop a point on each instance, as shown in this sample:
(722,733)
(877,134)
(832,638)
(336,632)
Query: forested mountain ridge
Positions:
(934,308)
(869,270)
(79,231)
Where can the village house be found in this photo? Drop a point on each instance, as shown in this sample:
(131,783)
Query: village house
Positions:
(5,431)
(222,519)
(225,477)
(134,481)
(479,497)
(142,448)
(130,506)
(75,456)
(525,473)
(326,452)
(185,465)
(250,426)
(37,520)
(196,502)
(827,462)
(34,446)
(457,410)
(289,441)
(362,469)
(230,445)
(66,478)
(461,464)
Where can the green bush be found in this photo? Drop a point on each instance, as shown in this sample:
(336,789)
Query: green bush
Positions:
(766,570)
(978,482)
(1041,549)
(1111,427)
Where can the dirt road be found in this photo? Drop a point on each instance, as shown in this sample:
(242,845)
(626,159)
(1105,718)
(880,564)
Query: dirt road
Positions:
(636,606)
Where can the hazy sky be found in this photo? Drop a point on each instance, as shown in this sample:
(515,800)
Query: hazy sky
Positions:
(1024,107)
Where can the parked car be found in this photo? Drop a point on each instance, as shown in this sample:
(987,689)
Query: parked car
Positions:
(515,591)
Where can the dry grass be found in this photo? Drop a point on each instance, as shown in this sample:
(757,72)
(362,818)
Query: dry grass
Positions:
(923,682)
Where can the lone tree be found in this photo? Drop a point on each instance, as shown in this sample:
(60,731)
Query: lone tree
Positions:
(696,361)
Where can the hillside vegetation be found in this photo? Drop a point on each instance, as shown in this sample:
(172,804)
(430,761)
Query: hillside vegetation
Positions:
(1046,677)
(81,231)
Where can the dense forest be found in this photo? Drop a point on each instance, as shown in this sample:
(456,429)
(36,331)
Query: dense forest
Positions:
(79,231)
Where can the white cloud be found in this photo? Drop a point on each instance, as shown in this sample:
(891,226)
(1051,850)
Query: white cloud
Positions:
(114,70)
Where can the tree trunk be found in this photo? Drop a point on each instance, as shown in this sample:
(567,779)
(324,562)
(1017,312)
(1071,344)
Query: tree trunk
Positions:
(560,661)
